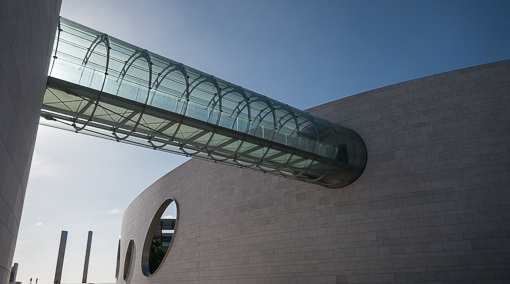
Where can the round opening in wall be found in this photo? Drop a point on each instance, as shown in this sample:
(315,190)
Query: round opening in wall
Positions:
(159,237)
(127,261)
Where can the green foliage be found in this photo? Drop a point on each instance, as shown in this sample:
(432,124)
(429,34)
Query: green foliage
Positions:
(156,255)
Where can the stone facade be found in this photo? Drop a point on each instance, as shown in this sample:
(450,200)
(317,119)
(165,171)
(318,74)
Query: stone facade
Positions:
(27,30)
(431,206)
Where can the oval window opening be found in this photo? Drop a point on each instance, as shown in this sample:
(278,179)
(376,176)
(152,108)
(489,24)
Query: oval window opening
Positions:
(159,237)
(127,262)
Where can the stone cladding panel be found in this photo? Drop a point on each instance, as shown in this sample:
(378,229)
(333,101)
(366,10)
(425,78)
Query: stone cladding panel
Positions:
(27,30)
(431,206)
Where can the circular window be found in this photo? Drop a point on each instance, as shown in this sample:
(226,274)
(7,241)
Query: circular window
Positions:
(159,237)
(127,262)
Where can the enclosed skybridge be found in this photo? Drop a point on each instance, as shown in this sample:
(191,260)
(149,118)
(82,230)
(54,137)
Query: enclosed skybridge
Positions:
(102,86)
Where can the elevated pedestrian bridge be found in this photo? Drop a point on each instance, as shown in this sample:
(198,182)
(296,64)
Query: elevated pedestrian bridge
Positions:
(102,86)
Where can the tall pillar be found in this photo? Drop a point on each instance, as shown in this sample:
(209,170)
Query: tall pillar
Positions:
(27,31)
(14,272)
(87,256)
(118,262)
(60,258)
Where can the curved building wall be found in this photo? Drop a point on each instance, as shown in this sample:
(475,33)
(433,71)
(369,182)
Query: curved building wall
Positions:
(431,206)
(27,30)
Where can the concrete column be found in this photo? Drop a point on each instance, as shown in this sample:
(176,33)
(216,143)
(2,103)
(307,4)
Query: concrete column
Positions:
(87,256)
(14,271)
(118,261)
(60,258)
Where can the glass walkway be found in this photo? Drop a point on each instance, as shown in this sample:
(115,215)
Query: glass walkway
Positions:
(102,86)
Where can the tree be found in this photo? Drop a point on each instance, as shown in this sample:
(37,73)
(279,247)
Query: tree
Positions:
(156,255)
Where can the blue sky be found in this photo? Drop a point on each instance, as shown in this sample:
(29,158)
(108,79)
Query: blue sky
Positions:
(303,53)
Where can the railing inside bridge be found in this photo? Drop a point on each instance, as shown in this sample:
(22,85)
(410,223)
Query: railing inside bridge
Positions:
(102,86)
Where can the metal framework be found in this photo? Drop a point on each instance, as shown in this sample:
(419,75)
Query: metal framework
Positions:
(102,86)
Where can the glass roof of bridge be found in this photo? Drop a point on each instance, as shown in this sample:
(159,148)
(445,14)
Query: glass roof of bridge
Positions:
(103,86)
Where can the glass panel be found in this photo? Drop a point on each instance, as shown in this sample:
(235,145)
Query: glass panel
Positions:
(218,140)
(169,90)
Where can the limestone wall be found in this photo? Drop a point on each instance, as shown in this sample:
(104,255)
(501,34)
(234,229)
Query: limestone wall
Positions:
(431,206)
(27,30)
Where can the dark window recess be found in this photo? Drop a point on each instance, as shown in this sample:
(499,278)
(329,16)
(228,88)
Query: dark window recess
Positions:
(159,237)
(127,261)
(342,154)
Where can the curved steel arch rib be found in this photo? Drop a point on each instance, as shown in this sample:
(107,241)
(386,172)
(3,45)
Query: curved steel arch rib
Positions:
(189,112)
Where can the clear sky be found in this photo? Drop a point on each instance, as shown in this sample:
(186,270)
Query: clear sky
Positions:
(303,53)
